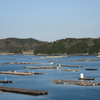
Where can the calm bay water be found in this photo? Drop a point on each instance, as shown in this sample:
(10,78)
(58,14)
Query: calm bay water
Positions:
(44,82)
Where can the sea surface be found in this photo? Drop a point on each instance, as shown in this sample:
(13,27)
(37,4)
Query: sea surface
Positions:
(44,82)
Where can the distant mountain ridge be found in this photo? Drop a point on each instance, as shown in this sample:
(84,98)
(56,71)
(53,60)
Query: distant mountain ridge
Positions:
(16,45)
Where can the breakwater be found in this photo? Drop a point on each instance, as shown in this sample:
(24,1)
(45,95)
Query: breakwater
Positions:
(23,91)
(21,73)
(74,82)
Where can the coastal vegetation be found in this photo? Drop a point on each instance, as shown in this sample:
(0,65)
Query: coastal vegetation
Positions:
(16,45)
(63,46)
(70,46)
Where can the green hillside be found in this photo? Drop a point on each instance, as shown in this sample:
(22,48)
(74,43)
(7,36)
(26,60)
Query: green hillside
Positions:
(16,45)
(70,46)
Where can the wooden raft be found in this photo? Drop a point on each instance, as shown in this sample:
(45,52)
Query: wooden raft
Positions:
(72,65)
(85,78)
(23,91)
(8,81)
(70,70)
(74,82)
(91,69)
(42,67)
(21,73)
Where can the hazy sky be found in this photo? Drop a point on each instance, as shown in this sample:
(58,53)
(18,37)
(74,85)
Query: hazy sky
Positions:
(49,20)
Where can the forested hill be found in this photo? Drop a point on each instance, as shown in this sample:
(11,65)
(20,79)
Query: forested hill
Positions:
(70,46)
(16,45)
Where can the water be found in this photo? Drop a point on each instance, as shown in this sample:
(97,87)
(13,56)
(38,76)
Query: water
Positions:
(44,82)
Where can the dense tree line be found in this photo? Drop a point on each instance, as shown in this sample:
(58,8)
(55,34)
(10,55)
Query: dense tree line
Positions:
(16,45)
(70,46)
(63,46)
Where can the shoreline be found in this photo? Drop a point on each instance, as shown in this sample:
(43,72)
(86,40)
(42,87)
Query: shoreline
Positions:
(49,54)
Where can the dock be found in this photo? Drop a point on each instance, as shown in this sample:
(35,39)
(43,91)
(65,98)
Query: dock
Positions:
(74,82)
(42,67)
(21,73)
(70,70)
(23,91)
(8,81)
(72,65)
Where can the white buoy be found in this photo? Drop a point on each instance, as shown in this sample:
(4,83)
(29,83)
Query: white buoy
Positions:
(81,75)
(59,65)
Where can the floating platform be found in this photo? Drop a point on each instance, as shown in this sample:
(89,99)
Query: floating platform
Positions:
(91,69)
(16,63)
(23,91)
(49,57)
(72,65)
(89,60)
(77,60)
(74,82)
(71,70)
(42,67)
(8,81)
(21,73)
(86,78)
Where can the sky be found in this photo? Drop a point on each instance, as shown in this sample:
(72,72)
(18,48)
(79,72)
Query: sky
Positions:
(49,20)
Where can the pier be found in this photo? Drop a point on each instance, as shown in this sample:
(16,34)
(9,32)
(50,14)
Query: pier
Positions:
(23,91)
(72,65)
(42,67)
(74,82)
(21,73)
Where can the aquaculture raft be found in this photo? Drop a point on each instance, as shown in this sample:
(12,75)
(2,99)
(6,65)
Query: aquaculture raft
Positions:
(20,73)
(74,82)
(17,63)
(42,67)
(86,78)
(23,91)
(8,81)
(91,69)
(72,65)
(70,70)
